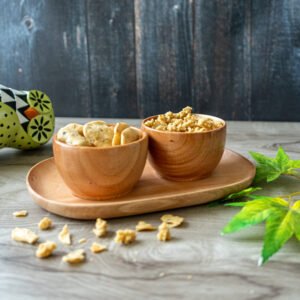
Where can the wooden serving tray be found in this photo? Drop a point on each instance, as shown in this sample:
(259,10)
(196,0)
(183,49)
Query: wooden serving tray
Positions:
(152,193)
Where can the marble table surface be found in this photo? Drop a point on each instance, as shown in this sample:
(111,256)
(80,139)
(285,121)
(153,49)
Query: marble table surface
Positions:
(197,264)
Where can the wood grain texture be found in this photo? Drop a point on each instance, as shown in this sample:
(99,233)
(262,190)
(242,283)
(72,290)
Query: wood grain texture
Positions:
(112,58)
(276,77)
(152,193)
(222,58)
(185,156)
(43,46)
(100,173)
(197,264)
(163,54)
(135,58)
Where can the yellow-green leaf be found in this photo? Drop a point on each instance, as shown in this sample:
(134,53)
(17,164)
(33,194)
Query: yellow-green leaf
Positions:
(282,159)
(282,221)
(253,212)
(243,193)
(296,219)
(279,230)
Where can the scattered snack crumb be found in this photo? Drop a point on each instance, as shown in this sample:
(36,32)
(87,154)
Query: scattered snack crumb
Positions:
(143,226)
(172,221)
(163,233)
(64,236)
(81,241)
(74,257)
(20,213)
(45,223)
(97,248)
(184,121)
(24,235)
(100,229)
(125,236)
(45,249)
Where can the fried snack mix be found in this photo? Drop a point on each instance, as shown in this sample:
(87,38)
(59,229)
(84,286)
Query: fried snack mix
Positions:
(45,223)
(183,121)
(24,235)
(126,236)
(74,257)
(72,134)
(143,226)
(129,135)
(64,236)
(119,127)
(100,229)
(98,134)
(97,248)
(45,249)
(164,233)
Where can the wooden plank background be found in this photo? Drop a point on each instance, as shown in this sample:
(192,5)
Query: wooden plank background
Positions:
(238,59)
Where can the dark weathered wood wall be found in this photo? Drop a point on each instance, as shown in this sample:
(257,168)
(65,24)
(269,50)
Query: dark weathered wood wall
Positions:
(238,59)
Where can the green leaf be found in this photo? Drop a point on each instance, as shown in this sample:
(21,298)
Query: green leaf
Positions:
(269,169)
(282,159)
(294,164)
(262,197)
(279,230)
(273,176)
(238,204)
(262,173)
(243,193)
(282,221)
(253,212)
(261,159)
(296,219)
(236,196)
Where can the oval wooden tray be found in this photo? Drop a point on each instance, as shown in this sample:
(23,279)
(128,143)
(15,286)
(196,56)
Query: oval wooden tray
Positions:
(152,193)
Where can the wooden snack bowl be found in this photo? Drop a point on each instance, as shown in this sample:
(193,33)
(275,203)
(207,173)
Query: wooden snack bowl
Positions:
(185,156)
(101,173)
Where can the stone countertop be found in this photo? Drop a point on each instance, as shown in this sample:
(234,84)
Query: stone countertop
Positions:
(197,264)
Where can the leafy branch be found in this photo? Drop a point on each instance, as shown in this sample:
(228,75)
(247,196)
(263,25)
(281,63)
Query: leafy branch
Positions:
(282,219)
(269,169)
(281,214)
(241,195)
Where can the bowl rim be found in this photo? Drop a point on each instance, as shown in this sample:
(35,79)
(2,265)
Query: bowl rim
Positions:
(92,148)
(178,132)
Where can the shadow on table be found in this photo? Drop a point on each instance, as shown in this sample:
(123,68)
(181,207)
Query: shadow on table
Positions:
(9,156)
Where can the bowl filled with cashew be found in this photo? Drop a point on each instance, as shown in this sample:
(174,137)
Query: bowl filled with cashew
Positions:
(98,160)
(185,146)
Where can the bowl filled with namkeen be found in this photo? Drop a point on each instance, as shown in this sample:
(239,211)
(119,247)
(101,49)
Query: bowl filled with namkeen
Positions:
(185,146)
(99,161)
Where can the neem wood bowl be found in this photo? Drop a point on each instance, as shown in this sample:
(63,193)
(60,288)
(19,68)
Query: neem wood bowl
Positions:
(185,156)
(101,173)
(152,192)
